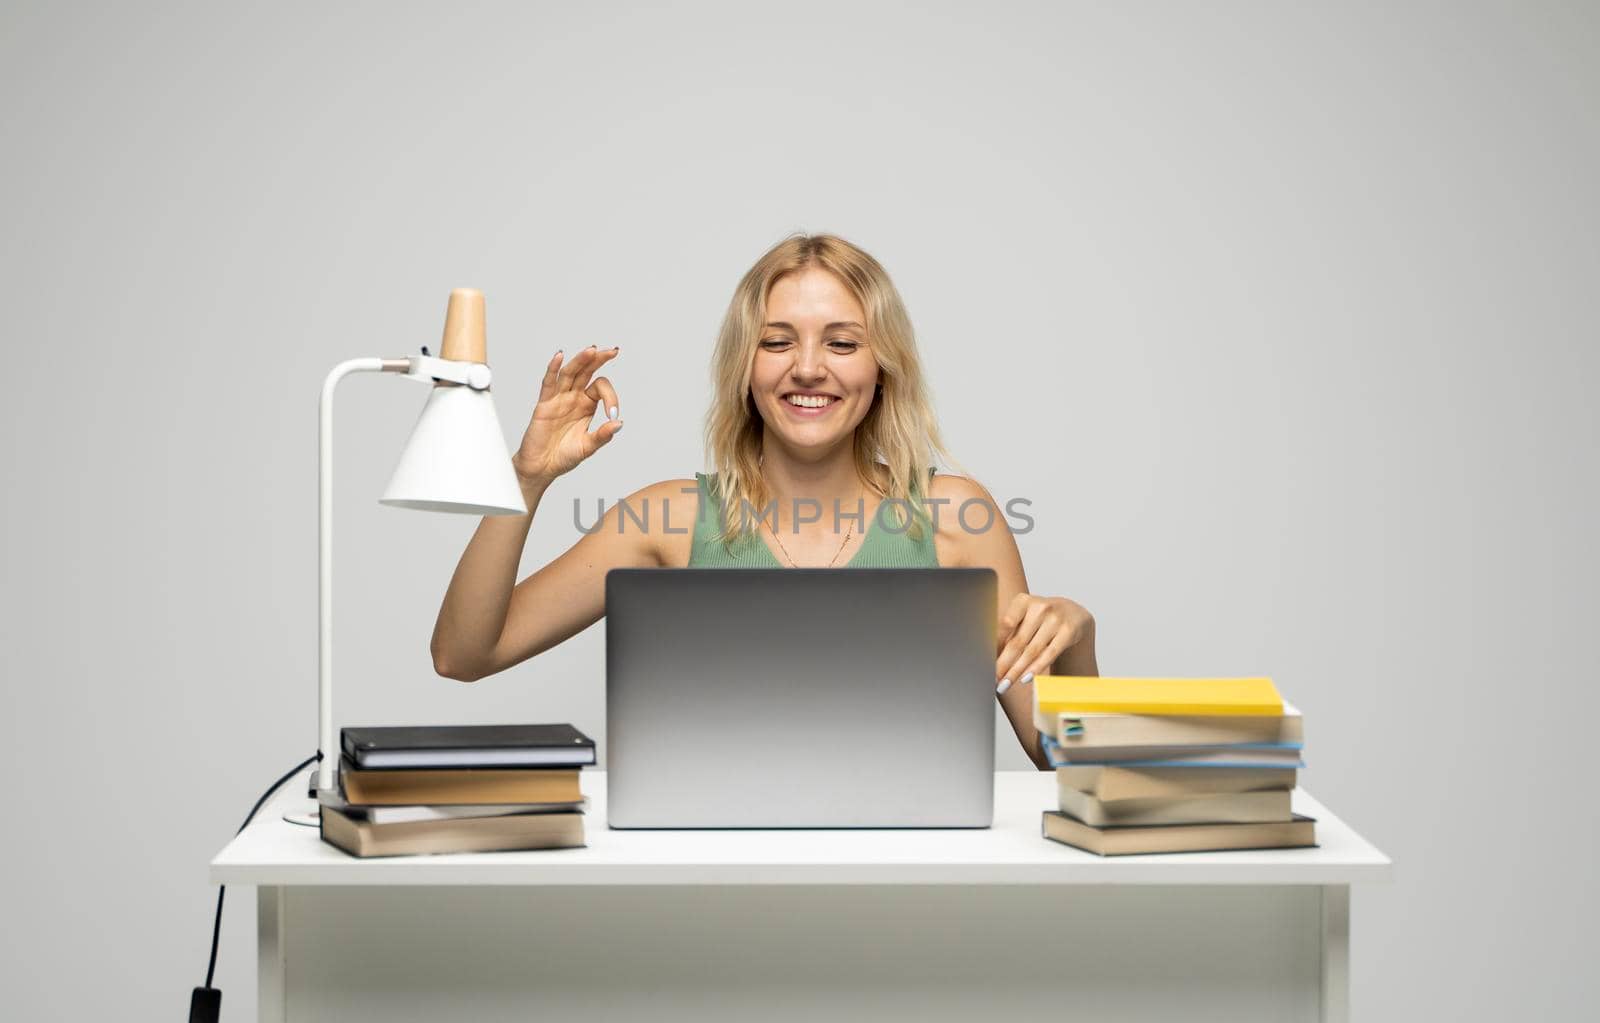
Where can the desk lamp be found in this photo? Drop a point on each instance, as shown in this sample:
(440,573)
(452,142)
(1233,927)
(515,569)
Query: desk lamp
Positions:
(455,461)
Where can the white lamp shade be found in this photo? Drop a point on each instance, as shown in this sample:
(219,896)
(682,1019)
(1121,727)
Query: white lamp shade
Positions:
(456,459)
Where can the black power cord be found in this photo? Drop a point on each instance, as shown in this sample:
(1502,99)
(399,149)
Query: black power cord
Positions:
(205,1005)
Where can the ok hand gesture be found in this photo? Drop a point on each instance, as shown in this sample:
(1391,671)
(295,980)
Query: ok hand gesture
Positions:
(558,435)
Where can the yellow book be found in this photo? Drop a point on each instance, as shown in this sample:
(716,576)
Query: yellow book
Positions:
(1066,694)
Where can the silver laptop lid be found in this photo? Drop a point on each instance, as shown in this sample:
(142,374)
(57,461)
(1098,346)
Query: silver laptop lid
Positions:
(794,698)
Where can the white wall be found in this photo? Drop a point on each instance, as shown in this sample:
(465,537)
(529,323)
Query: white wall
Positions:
(1281,315)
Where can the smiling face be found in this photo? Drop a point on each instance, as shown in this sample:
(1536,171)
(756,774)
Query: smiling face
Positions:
(814,377)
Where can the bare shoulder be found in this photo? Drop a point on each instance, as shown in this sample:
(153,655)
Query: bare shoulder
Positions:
(664,490)
(666,511)
(970,529)
(949,500)
(957,489)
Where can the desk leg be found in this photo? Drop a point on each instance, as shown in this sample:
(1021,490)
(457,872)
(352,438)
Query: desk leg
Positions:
(1336,953)
(271,1003)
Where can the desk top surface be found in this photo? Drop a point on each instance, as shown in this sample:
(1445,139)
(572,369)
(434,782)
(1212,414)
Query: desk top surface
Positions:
(274,852)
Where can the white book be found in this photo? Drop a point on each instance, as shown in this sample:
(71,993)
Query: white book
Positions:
(410,814)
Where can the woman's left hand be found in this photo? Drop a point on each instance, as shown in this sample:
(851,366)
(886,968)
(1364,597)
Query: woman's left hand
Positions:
(1034,632)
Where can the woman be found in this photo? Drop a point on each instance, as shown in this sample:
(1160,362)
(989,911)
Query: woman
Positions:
(821,432)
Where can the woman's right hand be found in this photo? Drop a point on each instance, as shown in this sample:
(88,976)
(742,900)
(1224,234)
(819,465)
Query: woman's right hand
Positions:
(558,435)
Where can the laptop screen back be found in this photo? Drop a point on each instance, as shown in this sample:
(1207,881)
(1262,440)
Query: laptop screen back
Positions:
(793,698)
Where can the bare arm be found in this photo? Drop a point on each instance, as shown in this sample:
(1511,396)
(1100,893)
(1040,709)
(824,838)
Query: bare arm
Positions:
(475,606)
(1044,618)
(485,623)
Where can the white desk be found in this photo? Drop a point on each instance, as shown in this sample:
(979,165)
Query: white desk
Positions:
(804,925)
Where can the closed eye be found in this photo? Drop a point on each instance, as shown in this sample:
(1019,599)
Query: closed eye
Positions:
(842,345)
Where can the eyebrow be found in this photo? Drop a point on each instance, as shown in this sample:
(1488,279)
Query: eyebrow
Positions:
(839,323)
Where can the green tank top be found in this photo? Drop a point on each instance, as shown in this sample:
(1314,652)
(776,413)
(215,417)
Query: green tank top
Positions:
(881,547)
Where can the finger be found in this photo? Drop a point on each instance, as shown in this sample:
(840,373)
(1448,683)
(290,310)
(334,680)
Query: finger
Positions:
(577,368)
(547,386)
(1042,663)
(600,390)
(1011,619)
(1027,625)
(1037,650)
(593,359)
(601,436)
(1029,652)
(1075,626)
(1019,641)
(601,356)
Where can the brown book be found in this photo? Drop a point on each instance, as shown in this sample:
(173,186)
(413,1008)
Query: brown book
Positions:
(1099,730)
(461,834)
(1111,783)
(1212,808)
(459,786)
(1169,838)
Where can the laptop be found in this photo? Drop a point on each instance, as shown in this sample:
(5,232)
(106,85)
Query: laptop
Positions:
(800,698)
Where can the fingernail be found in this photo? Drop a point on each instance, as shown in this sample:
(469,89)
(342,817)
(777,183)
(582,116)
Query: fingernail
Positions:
(1005,684)
(613,413)
(1025,679)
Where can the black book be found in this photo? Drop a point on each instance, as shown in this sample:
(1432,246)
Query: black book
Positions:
(467,746)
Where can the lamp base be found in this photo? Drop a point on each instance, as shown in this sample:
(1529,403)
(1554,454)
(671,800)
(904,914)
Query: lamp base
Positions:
(306,813)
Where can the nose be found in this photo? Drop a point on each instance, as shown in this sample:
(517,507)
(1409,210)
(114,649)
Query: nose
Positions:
(808,364)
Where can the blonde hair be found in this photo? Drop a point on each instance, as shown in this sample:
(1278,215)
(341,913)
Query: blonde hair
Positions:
(897,441)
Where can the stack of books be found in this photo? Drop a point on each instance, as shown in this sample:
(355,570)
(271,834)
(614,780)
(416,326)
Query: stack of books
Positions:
(1171,765)
(472,788)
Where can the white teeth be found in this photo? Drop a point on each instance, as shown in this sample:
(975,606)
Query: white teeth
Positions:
(810,400)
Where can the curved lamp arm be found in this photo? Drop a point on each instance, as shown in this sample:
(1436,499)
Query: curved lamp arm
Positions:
(425,369)
(455,461)
(326,744)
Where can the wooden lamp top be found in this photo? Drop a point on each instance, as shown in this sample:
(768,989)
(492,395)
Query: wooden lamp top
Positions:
(465,336)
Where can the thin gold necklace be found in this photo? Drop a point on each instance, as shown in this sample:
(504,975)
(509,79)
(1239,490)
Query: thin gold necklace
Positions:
(794,564)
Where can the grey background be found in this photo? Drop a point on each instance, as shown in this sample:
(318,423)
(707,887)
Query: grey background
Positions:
(1282,315)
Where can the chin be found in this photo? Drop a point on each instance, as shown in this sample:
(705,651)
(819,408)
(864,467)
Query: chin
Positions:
(802,434)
